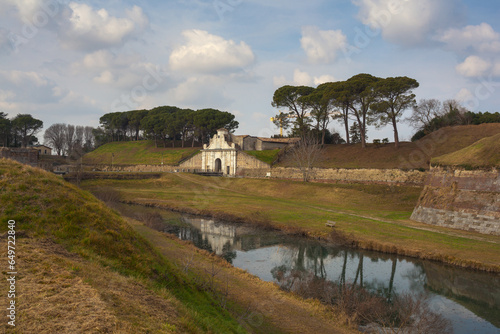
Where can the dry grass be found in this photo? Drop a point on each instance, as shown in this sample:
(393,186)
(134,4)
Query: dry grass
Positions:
(60,292)
(117,263)
(483,153)
(411,155)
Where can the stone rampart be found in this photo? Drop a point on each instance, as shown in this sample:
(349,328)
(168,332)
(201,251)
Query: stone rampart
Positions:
(460,199)
(246,161)
(193,162)
(133,168)
(385,176)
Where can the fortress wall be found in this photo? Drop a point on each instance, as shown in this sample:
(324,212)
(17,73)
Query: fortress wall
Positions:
(246,161)
(133,168)
(387,176)
(192,163)
(460,199)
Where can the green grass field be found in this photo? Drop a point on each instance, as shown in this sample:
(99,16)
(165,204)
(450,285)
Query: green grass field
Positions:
(267,156)
(137,153)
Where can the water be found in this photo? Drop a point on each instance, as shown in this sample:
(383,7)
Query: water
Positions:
(470,300)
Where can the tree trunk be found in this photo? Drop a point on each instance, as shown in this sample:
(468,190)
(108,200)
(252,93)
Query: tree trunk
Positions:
(391,281)
(346,124)
(362,132)
(396,136)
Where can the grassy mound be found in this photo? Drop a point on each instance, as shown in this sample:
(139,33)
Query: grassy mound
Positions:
(141,152)
(414,155)
(267,156)
(483,153)
(89,248)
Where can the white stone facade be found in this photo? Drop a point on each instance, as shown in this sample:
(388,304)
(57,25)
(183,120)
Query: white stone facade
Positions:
(220,155)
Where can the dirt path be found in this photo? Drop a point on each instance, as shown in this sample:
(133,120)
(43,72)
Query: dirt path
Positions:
(264,308)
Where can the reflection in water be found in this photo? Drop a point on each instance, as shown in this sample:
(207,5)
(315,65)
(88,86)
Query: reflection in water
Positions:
(471,300)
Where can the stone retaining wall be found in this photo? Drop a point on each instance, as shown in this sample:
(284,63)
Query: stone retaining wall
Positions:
(132,168)
(387,176)
(465,200)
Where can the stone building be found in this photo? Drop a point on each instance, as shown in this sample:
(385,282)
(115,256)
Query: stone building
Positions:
(225,153)
(250,143)
(42,149)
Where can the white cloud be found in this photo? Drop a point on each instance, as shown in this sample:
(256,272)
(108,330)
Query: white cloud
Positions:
(89,29)
(280,81)
(409,22)
(464,95)
(482,38)
(210,54)
(301,78)
(19,86)
(26,8)
(322,46)
(119,70)
(323,79)
(200,92)
(496,69)
(474,66)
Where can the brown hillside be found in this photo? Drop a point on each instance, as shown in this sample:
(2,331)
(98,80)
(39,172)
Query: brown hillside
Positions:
(483,153)
(411,155)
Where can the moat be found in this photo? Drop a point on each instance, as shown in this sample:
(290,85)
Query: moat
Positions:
(470,300)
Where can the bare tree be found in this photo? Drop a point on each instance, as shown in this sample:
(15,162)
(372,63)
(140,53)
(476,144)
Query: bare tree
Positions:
(55,137)
(424,112)
(88,135)
(456,111)
(69,139)
(306,154)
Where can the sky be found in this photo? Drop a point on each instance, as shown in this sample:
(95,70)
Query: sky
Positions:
(73,61)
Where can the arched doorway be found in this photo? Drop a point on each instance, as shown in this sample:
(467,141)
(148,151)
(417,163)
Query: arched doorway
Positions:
(218,165)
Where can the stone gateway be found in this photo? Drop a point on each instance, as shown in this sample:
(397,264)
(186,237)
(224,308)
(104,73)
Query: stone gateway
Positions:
(225,153)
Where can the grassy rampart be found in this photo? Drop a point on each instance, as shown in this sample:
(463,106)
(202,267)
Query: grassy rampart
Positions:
(141,152)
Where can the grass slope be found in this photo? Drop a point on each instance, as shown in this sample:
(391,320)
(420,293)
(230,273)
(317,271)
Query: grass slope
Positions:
(77,253)
(137,153)
(483,153)
(85,269)
(373,216)
(267,156)
(411,155)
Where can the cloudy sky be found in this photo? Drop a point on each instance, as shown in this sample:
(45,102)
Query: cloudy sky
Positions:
(73,61)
